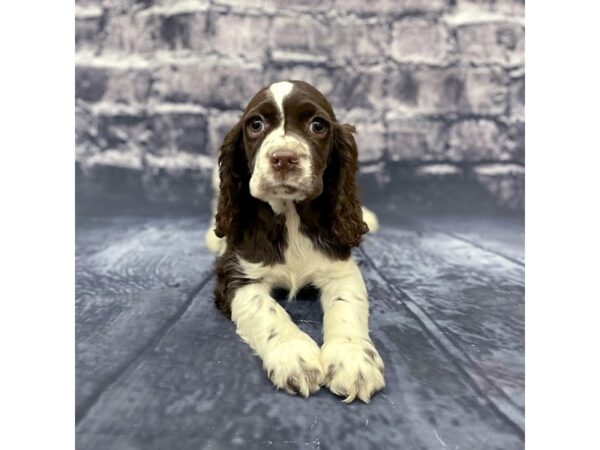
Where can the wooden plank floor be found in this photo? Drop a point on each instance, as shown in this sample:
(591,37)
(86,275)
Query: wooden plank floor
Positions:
(158,367)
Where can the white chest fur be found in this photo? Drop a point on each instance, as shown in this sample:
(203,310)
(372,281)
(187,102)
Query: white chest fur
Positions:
(304,263)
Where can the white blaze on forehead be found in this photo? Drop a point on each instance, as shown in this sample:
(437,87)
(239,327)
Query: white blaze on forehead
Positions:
(280,91)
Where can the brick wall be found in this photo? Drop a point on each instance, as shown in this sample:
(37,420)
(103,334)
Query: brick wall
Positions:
(435,88)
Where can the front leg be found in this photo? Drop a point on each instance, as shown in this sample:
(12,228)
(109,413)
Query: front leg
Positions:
(290,357)
(352,365)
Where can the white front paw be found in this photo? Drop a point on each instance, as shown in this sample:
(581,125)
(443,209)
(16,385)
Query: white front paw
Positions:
(353,368)
(293,363)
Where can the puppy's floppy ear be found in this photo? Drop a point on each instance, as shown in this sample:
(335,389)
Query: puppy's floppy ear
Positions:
(233,185)
(347,221)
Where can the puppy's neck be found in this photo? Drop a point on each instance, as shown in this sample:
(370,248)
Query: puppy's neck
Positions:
(280,206)
(296,214)
(311,219)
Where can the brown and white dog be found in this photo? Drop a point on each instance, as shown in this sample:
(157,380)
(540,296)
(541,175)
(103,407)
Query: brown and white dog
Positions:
(288,215)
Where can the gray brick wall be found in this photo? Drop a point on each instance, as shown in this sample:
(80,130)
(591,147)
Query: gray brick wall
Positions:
(435,88)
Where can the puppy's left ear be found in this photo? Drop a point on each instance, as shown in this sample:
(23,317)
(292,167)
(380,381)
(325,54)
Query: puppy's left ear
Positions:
(347,220)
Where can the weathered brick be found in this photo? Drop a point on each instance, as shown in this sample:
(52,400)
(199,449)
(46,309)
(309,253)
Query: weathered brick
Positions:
(123,130)
(415,139)
(87,3)
(442,91)
(317,76)
(236,35)
(517,98)
(219,124)
(85,131)
(370,139)
(88,9)
(131,33)
(207,81)
(91,83)
(119,84)
(370,133)
(501,43)
(403,89)
(131,5)
(420,40)
(87,33)
(514,8)
(129,85)
(509,7)
(505,182)
(280,6)
(354,40)
(176,5)
(163,130)
(165,25)
(477,140)
(363,88)
(484,140)
(299,34)
(181,31)
(125,5)
(485,91)
(175,129)
(515,144)
(395,7)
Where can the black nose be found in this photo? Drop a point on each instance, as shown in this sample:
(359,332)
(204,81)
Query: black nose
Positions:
(284,160)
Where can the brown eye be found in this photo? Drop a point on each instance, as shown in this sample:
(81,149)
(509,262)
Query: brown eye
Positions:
(256,125)
(317,126)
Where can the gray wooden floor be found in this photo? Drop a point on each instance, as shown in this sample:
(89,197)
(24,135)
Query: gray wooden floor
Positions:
(158,367)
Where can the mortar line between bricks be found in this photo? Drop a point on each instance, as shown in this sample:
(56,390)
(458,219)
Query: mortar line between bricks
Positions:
(128,366)
(504,406)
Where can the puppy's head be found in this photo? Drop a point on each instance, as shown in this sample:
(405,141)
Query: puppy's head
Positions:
(288,145)
(287,134)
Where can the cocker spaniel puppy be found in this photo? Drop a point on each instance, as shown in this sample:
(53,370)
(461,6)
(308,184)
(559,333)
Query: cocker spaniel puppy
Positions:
(288,215)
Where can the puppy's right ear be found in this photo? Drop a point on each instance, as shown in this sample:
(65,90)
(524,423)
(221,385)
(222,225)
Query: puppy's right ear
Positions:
(234,180)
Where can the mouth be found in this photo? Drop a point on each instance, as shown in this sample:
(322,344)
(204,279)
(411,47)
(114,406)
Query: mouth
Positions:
(286,191)
(288,188)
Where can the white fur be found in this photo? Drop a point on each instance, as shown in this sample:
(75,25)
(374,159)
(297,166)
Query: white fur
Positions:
(346,338)
(370,218)
(279,91)
(303,263)
(214,243)
(345,321)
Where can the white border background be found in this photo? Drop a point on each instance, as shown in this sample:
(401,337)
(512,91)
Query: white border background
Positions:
(562,225)
(37,225)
